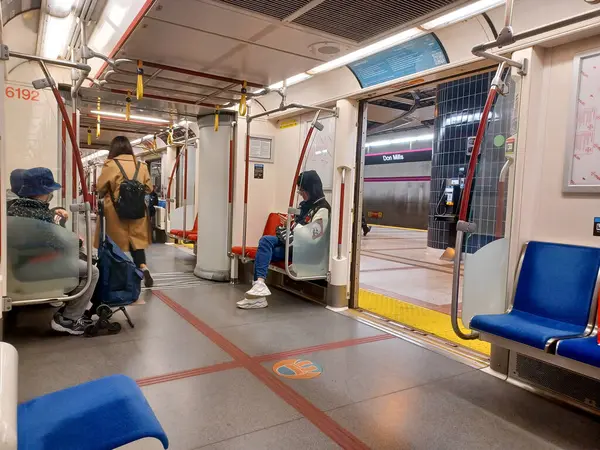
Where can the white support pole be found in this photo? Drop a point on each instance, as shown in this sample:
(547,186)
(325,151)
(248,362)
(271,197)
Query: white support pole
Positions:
(3,183)
(344,158)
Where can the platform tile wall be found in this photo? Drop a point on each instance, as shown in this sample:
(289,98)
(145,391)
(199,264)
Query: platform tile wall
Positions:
(459,107)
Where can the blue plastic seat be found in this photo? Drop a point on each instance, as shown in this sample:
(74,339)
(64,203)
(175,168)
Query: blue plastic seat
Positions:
(553,299)
(585,350)
(99,415)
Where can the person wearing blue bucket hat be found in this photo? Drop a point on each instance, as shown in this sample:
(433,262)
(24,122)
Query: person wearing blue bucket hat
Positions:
(35,194)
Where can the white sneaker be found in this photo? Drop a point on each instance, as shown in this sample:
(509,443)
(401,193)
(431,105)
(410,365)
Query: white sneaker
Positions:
(252,303)
(259,289)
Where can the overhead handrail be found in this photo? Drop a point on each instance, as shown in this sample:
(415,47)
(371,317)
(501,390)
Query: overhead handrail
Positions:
(249,119)
(506,36)
(396,122)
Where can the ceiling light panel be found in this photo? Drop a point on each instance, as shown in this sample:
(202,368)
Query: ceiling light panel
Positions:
(376,47)
(464,13)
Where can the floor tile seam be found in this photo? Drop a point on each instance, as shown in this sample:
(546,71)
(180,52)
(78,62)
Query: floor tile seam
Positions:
(251,432)
(336,345)
(406,389)
(297,314)
(409,261)
(189,373)
(326,424)
(231,364)
(390,269)
(258,322)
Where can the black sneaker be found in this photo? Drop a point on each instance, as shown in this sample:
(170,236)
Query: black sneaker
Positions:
(75,327)
(148,280)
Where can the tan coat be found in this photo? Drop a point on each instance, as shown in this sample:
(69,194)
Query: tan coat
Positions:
(126,233)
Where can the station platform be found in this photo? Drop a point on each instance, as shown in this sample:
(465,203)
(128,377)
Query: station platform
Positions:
(403,280)
(292,376)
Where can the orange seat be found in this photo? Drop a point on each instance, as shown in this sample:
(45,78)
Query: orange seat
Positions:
(273,221)
(194,230)
(279,264)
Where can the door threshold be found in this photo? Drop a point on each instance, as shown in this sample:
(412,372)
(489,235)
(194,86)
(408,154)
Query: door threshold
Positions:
(436,344)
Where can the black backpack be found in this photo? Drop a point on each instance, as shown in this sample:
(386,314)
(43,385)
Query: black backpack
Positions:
(131,203)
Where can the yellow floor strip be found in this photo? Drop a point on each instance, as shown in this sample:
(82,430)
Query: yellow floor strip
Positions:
(396,228)
(432,322)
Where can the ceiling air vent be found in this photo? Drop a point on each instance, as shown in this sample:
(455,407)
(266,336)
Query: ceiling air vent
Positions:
(359,20)
(273,8)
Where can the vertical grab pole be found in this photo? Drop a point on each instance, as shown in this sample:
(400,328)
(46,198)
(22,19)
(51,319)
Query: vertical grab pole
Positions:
(341,220)
(77,157)
(463,226)
(63,169)
(246,175)
(70,130)
(185,176)
(230,190)
(311,129)
(508,13)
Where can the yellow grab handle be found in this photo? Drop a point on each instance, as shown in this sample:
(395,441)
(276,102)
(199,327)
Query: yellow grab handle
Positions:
(217,112)
(139,93)
(243,109)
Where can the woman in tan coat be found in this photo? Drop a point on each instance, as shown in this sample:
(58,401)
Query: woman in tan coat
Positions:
(130,235)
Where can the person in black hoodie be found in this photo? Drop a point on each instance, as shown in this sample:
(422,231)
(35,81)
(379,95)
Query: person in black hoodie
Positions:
(314,210)
(16,182)
(35,195)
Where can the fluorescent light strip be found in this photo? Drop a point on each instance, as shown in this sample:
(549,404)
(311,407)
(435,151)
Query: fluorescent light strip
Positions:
(291,80)
(462,13)
(95,155)
(367,51)
(60,8)
(122,116)
(405,140)
(56,33)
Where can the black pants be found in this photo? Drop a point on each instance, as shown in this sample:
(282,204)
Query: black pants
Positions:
(364,225)
(139,257)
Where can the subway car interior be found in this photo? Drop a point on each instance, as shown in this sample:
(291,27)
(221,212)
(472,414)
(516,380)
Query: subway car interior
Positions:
(301,224)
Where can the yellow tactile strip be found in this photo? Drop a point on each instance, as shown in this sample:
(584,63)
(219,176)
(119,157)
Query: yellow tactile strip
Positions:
(430,321)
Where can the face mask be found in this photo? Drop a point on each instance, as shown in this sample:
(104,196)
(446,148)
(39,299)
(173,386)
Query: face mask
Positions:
(50,197)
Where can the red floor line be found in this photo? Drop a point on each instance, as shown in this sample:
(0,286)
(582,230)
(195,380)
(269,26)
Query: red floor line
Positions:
(188,373)
(326,424)
(321,347)
(173,376)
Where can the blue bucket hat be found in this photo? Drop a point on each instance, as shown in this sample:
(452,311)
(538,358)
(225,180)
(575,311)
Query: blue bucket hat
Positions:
(38,181)
(16,180)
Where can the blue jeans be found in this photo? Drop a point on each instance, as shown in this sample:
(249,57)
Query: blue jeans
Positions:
(270,248)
